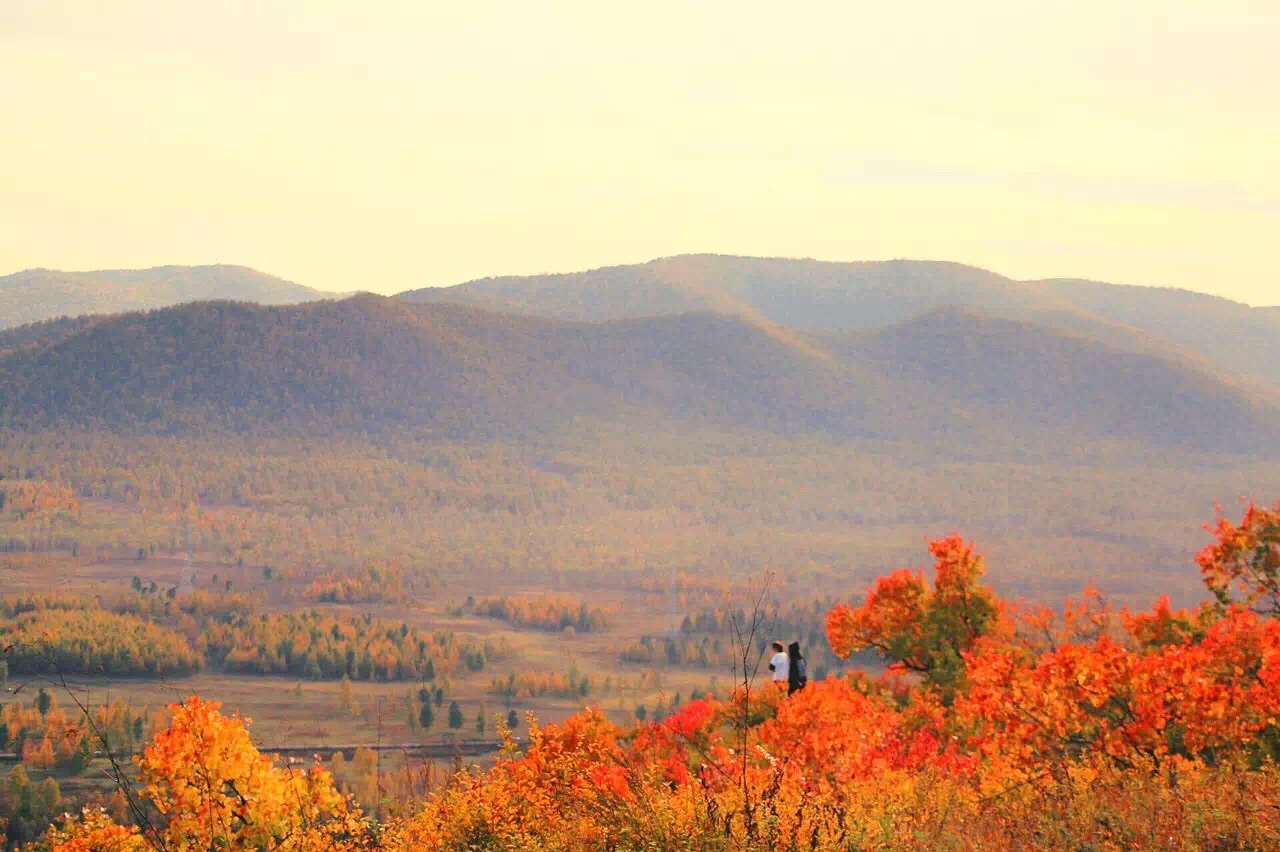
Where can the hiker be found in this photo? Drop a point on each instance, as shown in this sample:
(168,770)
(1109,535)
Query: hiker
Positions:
(797,671)
(779,665)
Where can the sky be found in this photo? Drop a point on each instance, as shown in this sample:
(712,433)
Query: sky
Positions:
(383,145)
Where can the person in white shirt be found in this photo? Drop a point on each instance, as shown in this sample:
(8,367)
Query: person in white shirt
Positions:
(780,665)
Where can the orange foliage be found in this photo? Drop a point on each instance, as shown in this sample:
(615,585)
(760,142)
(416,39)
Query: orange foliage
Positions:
(375,582)
(1090,729)
(321,645)
(917,629)
(1243,564)
(519,685)
(36,499)
(93,642)
(546,612)
(213,789)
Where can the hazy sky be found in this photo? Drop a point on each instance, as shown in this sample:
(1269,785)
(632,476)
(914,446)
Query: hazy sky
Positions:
(387,145)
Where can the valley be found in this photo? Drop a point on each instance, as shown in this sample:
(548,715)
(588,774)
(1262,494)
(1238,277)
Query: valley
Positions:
(397,522)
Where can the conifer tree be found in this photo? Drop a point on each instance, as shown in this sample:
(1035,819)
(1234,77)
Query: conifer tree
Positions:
(48,802)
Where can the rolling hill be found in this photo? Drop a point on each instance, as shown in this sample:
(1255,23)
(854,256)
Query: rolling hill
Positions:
(42,333)
(955,380)
(1036,381)
(816,295)
(370,363)
(41,294)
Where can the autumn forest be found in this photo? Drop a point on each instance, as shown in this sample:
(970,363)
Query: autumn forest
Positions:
(499,565)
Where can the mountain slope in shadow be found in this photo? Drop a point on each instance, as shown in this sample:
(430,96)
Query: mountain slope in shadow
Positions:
(953,380)
(1037,380)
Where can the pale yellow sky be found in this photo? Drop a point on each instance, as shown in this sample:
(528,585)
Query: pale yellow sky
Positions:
(370,144)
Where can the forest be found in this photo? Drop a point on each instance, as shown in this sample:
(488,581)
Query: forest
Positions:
(995,723)
(325,588)
(429,542)
(74,636)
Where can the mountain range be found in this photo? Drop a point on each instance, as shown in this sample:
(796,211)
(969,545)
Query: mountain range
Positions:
(952,378)
(823,296)
(938,354)
(42,294)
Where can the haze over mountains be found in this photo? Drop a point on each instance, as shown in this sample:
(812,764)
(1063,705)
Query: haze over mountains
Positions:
(41,294)
(953,379)
(694,412)
(937,353)
(818,295)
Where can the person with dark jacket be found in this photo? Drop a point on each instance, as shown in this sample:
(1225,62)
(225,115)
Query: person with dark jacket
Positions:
(797,671)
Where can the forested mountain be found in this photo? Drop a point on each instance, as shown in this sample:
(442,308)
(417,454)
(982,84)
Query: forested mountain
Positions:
(40,294)
(370,363)
(1035,380)
(955,379)
(42,333)
(817,295)
(1237,336)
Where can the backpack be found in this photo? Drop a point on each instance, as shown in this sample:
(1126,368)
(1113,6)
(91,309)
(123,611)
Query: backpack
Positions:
(799,673)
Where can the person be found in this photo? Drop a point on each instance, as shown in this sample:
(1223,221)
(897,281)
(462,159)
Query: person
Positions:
(779,665)
(797,671)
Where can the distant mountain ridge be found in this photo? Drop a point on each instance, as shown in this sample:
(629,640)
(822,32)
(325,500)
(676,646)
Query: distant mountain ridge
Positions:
(35,295)
(1035,380)
(953,379)
(820,295)
(1201,331)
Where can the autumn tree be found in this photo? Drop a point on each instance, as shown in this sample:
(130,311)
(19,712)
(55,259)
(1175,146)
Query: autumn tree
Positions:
(1242,566)
(916,628)
(213,789)
(346,698)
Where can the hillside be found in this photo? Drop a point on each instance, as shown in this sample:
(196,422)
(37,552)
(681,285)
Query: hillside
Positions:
(818,295)
(369,364)
(1235,335)
(43,333)
(1038,381)
(40,294)
(801,293)
(951,379)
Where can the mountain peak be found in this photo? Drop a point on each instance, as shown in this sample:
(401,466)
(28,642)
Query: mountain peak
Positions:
(39,294)
(823,296)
